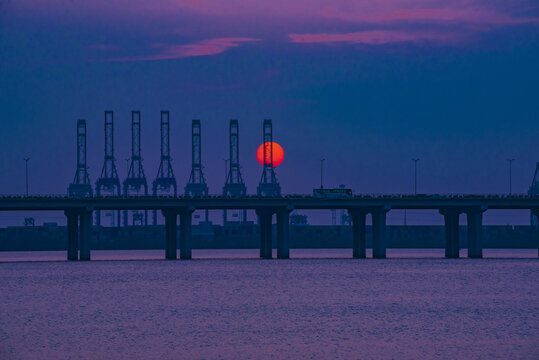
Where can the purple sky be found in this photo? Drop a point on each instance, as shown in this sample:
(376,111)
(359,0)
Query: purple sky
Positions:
(366,85)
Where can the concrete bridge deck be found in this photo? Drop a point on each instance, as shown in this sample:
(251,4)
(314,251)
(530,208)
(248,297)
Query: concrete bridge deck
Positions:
(79,212)
(11,203)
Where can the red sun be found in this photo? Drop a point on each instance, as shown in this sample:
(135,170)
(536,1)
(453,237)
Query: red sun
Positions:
(278,154)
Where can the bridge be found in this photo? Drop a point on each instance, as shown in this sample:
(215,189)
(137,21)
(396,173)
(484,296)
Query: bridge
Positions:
(79,212)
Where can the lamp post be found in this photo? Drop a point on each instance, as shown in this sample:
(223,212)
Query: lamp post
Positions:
(26,159)
(510,175)
(415,160)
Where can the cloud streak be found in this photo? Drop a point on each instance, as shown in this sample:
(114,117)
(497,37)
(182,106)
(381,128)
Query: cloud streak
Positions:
(145,30)
(469,14)
(277,11)
(201,48)
(373,37)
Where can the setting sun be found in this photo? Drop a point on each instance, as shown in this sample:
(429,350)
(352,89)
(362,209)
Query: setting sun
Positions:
(278,153)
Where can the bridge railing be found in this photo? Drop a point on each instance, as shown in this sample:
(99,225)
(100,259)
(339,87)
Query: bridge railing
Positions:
(289,196)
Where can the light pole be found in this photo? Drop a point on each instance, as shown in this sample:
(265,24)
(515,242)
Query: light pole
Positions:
(26,159)
(510,175)
(322,173)
(415,160)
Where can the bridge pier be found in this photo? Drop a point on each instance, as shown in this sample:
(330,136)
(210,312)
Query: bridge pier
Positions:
(379,233)
(536,213)
(283,234)
(451,219)
(72,234)
(171,239)
(185,234)
(474,219)
(85,233)
(264,219)
(359,235)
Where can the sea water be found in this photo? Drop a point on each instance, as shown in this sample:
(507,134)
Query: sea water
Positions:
(229,305)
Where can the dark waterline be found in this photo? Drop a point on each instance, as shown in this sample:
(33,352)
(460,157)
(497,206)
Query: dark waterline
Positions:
(97,255)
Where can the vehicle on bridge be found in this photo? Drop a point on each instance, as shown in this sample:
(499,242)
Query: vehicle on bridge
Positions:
(335,193)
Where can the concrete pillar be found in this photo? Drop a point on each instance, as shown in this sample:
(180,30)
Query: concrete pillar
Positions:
(262,226)
(379,234)
(451,218)
(359,235)
(185,234)
(536,213)
(85,233)
(171,239)
(475,231)
(283,234)
(268,246)
(265,233)
(72,234)
(98,217)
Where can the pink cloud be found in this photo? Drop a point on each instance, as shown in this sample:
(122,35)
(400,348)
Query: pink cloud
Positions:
(468,14)
(375,22)
(373,37)
(201,48)
(492,11)
(277,11)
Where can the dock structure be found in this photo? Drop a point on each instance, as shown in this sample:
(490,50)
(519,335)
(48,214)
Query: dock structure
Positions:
(135,183)
(234,184)
(79,211)
(108,182)
(268,185)
(269,203)
(165,182)
(81,183)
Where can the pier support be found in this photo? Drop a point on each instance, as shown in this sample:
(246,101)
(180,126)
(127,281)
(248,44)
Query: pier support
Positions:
(171,239)
(451,218)
(536,213)
(474,219)
(72,234)
(185,234)
(379,233)
(359,235)
(85,233)
(283,233)
(264,219)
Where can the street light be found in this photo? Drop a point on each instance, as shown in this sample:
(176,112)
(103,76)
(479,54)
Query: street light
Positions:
(26,159)
(322,173)
(415,160)
(510,175)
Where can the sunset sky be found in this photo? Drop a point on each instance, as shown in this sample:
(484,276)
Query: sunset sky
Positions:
(367,85)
